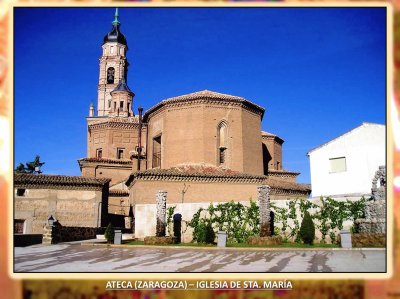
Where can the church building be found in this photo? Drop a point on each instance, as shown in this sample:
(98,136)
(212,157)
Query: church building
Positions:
(200,147)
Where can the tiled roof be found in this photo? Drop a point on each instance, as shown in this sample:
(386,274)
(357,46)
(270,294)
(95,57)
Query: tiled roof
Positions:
(265,133)
(274,172)
(212,174)
(106,161)
(283,185)
(205,94)
(117,120)
(270,135)
(119,193)
(44,181)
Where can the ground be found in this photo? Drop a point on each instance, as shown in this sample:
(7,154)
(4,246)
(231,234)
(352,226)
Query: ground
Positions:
(74,257)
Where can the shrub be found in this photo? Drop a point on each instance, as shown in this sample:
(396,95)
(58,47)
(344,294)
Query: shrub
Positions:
(109,233)
(239,221)
(307,229)
(205,233)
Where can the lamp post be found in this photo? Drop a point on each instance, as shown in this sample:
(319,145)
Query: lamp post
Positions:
(51,220)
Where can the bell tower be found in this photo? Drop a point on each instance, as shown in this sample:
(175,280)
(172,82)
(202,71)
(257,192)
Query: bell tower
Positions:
(113,66)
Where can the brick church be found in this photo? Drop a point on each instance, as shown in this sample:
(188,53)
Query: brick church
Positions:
(200,147)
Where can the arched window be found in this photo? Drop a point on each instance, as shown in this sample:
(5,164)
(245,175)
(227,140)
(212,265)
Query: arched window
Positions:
(110,75)
(222,143)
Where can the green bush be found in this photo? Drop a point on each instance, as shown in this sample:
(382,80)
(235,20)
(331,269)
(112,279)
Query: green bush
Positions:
(109,233)
(205,233)
(239,221)
(307,229)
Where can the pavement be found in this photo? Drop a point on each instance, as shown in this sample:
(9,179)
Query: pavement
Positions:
(78,257)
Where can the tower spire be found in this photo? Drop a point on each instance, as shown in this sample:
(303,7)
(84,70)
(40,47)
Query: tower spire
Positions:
(116,21)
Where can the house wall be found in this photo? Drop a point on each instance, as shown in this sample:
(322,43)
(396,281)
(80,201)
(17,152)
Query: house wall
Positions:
(70,207)
(364,149)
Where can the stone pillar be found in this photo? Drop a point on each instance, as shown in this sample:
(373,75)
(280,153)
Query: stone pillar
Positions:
(49,234)
(128,222)
(161,198)
(263,203)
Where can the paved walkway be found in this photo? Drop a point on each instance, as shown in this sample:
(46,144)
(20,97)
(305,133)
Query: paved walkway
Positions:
(74,257)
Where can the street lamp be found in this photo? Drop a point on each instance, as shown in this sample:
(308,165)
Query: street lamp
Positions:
(51,220)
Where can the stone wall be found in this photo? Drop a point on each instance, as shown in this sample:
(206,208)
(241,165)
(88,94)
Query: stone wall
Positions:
(374,221)
(145,215)
(368,240)
(58,233)
(81,208)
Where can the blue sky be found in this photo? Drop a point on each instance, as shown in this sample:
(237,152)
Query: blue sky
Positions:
(319,72)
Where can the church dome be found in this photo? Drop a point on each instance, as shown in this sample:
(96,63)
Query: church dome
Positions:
(115,35)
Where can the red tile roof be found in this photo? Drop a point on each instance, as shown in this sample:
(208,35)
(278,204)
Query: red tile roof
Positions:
(214,174)
(206,94)
(44,181)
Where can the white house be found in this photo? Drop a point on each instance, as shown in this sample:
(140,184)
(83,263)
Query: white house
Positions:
(345,166)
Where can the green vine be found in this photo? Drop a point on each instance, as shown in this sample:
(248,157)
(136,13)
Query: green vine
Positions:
(170,223)
(241,222)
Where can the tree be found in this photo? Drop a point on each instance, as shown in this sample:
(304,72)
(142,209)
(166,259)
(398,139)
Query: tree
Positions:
(20,168)
(31,167)
(307,229)
(109,233)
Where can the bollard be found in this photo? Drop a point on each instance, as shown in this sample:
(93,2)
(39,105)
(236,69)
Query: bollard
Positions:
(345,239)
(117,236)
(222,236)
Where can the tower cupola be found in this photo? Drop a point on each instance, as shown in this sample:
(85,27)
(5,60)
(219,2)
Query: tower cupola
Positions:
(115,35)
(121,100)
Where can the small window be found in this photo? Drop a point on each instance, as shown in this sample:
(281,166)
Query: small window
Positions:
(129,106)
(21,192)
(115,106)
(109,104)
(156,152)
(112,50)
(121,105)
(19,226)
(278,165)
(221,143)
(120,153)
(337,164)
(99,153)
(222,155)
